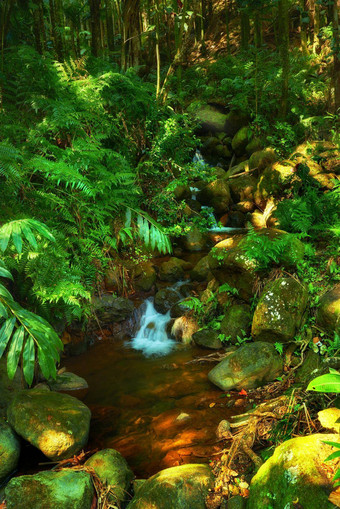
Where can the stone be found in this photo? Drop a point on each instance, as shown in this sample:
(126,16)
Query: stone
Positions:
(182,487)
(112,279)
(207,338)
(180,308)
(237,502)
(183,329)
(112,470)
(109,308)
(8,388)
(182,192)
(295,472)
(173,270)
(249,367)
(50,490)
(255,145)
(9,451)
(216,195)
(273,181)
(165,299)
(262,159)
(236,322)
(201,271)
(280,311)
(212,119)
(55,423)
(195,240)
(330,419)
(144,276)
(243,187)
(68,382)
(328,313)
(241,140)
(236,219)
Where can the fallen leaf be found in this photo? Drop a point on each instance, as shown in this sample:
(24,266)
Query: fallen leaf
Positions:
(212,405)
(243,392)
(334,497)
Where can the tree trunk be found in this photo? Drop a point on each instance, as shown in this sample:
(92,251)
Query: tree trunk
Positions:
(245,29)
(109,26)
(336,54)
(283,6)
(95,26)
(57,27)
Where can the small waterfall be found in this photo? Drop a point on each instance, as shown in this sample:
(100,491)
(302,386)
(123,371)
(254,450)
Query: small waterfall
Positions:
(151,337)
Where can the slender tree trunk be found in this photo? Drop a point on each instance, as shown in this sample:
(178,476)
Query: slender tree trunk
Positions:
(245,29)
(158,58)
(109,26)
(227,23)
(303,28)
(257,29)
(36,27)
(57,28)
(95,26)
(283,6)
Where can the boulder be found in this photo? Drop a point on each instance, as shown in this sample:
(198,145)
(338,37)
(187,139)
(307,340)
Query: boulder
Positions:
(207,338)
(216,195)
(201,271)
(144,276)
(236,322)
(50,490)
(328,314)
(182,192)
(241,140)
(329,418)
(262,159)
(109,308)
(243,188)
(173,270)
(183,328)
(249,367)
(280,311)
(234,121)
(254,145)
(55,423)
(296,473)
(183,487)
(194,240)
(112,470)
(165,299)
(273,181)
(9,451)
(68,382)
(180,308)
(236,219)
(212,119)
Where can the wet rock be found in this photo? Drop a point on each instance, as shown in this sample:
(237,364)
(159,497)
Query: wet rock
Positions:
(262,159)
(182,487)
(330,419)
(144,277)
(223,429)
(251,366)
(173,270)
(165,299)
(50,490)
(236,322)
(280,311)
(328,314)
(201,271)
(295,472)
(194,240)
(55,423)
(241,140)
(9,451)
(184,328)
(112,470)
(216,195)
(180,308)
(208,338)
(68,382)
(109,308)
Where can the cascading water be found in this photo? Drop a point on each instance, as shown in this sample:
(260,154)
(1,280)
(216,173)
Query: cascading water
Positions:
(152,338)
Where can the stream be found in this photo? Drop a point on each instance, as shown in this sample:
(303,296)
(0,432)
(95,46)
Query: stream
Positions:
(149,402)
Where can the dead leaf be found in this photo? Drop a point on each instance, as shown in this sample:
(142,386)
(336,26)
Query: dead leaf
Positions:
(334,497)
(212,405)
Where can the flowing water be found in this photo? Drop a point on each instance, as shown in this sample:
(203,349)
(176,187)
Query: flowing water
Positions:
(149,401)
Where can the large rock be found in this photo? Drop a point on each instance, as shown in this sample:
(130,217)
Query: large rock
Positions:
(9,451)
(69,383)
(216,195)
(212,119)
(201,271)
(236,322)
(251,366)
(328,314)
(144,276)
(165,299)
(183,487)
(173,270)
(262,159)
(280,311)
(230,263)
(65,489)
(109,308)
(55,423)
(296,473)
(207,338)
(195,240)
(112,470)
(273,181)
(241,140)
(243,188)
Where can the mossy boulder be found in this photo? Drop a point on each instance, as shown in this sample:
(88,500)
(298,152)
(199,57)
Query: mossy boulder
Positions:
(194,240)
(144,277)
(329,418)
(234,121)
(201,271)
(262,159)
(328,314)
(65,489)
(173,270)
(211,118)
(68,382)
(9,450)
(165,299)
(182,192)
(112,470)
(55,423)
(183,487)
(295,473)
(280,311)
(109,308)
(180,308)
(236,322)
(254,145)
(251,366)
(207,338)
(216,195)
(274,179)
(241,140)
(243,188)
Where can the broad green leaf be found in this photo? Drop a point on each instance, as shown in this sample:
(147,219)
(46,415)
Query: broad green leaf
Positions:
(325,383)
(14,352)
(334,371)
(46,364)
(333,456)
(5,293)
(28,358)
(3,311)
(26,230)
(333,444)
(5,334)
(5,273)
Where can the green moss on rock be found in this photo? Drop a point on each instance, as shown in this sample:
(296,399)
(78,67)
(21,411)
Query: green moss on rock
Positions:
(9,450)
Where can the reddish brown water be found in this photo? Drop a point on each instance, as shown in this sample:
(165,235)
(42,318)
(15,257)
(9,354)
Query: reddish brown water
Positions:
(158,412)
